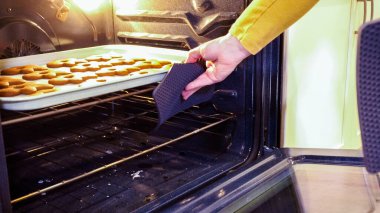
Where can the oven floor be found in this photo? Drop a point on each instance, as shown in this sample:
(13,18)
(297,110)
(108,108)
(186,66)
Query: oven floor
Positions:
(55,149)
(124,187)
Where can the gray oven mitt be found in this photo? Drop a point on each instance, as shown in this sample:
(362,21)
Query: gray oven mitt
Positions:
(167,94)
(368,87)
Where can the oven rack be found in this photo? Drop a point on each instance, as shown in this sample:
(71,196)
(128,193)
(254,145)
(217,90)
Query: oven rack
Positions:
(13,117)
(143,110)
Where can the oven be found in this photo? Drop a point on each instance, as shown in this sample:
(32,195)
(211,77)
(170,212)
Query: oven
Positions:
(103,153)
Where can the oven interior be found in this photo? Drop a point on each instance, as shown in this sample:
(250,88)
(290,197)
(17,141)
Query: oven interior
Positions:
(53,150)
(104,153)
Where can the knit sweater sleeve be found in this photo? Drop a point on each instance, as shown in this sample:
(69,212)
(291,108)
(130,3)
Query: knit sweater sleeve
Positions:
(264,20)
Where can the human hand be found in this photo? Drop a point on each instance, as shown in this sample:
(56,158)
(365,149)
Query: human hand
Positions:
(222,55)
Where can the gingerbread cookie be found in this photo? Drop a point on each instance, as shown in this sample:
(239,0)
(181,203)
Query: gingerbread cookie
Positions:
(26,88)
(99,58)
(138,59)
(40,92)
(69,62)
(143,72)
(90,66)
(155,64)
(22,69)
(120,71)
(163,62)
(70,79)
(121,61)
(44,74)
(143,64)
(6,81)
(130,69)
(106,72)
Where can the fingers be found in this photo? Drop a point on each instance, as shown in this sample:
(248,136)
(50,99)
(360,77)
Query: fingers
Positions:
(193,55)
(206,51)
(222,55)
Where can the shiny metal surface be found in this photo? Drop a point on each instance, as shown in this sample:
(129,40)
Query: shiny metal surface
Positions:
(184,23)
(51,27)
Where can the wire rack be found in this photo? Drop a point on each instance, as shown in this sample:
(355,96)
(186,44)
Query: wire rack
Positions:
(65,144)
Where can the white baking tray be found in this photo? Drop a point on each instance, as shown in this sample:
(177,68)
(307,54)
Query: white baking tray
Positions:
(91,87)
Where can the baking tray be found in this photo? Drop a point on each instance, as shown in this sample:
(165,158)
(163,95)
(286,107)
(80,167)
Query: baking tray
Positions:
(91,87)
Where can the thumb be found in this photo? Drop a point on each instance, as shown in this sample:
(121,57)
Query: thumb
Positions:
(202,80)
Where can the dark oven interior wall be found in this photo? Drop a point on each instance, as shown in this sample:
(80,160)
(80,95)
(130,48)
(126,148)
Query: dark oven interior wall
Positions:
(177,24)
(36,22)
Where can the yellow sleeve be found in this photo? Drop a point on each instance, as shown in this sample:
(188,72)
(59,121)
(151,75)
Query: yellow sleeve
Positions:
(264,20)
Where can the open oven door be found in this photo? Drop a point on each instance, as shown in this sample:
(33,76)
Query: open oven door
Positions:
(290,180)
(310,180)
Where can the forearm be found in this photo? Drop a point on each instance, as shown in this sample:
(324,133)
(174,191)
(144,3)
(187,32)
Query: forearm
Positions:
(264,20)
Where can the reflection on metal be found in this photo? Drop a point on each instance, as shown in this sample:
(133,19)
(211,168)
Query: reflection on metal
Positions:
(90,7)
(62,9)
(93,27)
(126,6)
(201,6)
(56,24)
(199,25)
